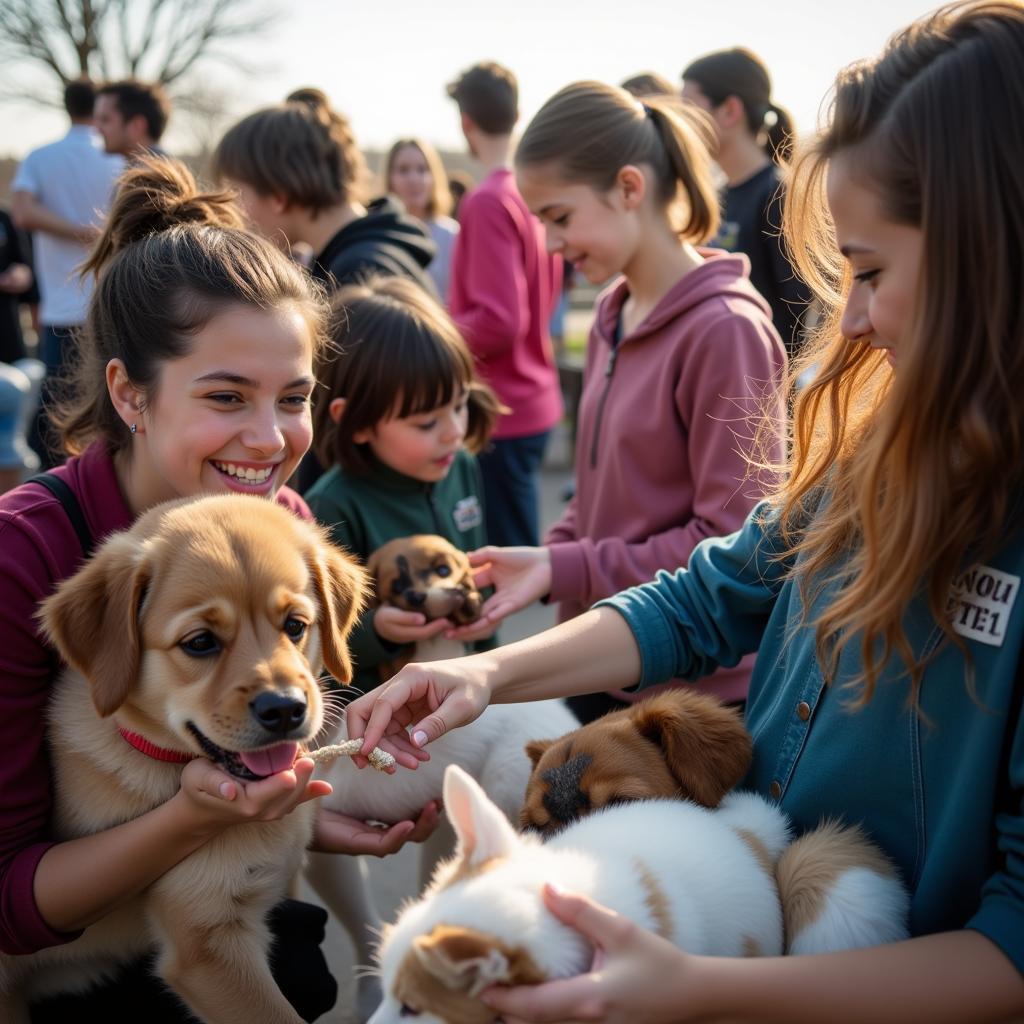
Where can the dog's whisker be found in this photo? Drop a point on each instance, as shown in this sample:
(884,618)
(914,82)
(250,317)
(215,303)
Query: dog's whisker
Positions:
(361,971)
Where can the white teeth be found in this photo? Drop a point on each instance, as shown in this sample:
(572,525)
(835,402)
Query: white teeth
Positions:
(246,474)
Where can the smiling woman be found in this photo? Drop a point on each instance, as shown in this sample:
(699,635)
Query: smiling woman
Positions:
(195,376)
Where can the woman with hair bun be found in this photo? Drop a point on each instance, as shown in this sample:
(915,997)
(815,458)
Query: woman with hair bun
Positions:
(755,137)
(197,352)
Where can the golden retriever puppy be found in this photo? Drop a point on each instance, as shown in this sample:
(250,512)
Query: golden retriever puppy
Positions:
(677,744)
(200,632)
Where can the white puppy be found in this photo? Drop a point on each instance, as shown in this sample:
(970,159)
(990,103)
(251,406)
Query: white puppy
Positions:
(703,879)
(492,750)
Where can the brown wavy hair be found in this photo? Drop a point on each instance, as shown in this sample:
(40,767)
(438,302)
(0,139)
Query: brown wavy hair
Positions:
(395,353)
(170,258)
(588,131)
(302,150)
(920,469)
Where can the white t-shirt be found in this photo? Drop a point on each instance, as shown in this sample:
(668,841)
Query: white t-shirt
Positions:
(443,231)
(73,178)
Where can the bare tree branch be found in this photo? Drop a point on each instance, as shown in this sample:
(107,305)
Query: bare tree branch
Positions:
(158,39)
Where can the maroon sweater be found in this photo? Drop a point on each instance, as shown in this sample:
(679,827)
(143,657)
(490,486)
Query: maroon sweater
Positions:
(39,549)
(665,431)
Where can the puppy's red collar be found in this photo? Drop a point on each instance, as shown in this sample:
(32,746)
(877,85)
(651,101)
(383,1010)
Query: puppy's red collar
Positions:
(143,745)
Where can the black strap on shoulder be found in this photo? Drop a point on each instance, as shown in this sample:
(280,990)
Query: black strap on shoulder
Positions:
(63,493)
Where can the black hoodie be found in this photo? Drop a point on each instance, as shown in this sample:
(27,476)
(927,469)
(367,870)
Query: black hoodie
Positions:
(386,241)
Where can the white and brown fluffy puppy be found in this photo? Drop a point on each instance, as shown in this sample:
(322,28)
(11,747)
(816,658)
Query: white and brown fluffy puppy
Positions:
(200,632)
(703,879)
(676,744)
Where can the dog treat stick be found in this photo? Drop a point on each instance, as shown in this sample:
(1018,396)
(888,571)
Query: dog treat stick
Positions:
(379,759)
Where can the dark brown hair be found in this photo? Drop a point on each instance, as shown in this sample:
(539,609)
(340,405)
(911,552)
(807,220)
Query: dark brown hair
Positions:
(648,83)
(140,99)
(923,467)
(396,353)
(170,258)
(79,98)
(302,150)
(488,94)
(588,131)
(742,74)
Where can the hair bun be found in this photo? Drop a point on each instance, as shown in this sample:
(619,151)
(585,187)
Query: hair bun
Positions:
(155,194)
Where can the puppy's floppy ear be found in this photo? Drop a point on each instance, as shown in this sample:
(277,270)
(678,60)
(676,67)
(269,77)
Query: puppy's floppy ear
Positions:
(536,749)
(462,959)
(706,746)
(341,588)
(93,619)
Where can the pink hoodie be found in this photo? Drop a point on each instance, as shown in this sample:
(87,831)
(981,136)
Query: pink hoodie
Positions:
(504,287)
(666,422)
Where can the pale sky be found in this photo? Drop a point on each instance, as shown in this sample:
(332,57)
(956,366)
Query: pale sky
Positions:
(385,63)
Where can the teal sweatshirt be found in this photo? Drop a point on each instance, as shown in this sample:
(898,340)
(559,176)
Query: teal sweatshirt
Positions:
(364,512)
(939,788)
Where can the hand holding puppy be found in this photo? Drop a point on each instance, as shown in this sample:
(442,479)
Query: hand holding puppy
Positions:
(636,975)
(519,575)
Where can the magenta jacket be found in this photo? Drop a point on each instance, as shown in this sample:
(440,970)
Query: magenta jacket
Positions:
(666,422)
(504,287)
(39,549)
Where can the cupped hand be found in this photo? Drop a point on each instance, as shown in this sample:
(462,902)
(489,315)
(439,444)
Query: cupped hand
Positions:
(429,699)
(340,833)
(636,977)
(216,799)
(403,627)
(519,576)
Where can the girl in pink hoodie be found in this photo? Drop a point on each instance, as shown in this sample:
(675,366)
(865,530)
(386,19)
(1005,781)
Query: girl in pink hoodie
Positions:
(682,360)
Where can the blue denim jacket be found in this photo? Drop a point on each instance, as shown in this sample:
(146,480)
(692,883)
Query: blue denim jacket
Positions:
(939,788)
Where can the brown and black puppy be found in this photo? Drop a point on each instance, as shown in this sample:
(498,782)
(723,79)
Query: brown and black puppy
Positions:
(677,744)
(425,573)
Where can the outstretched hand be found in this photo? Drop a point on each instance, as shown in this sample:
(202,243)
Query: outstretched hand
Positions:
(519,575)
(429,699)
(636,977)
(339,833)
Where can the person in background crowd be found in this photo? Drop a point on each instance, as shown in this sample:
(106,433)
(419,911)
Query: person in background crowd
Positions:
(505,286)
(131,116)
(16,280)
(414,173)
(60,193)
(755,137)
(648,83)
(459,185)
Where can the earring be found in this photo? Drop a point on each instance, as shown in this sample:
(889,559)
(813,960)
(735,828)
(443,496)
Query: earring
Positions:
(134,428)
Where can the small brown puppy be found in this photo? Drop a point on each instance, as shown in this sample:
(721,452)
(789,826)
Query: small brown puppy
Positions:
(677,744)
(425,573)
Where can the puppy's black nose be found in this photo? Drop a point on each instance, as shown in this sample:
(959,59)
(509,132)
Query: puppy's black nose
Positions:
(415,597)
(279,712)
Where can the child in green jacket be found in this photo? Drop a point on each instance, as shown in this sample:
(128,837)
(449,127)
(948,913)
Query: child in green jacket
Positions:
(399,419)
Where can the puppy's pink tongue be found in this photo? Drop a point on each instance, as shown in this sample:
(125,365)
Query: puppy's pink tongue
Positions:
(270,760)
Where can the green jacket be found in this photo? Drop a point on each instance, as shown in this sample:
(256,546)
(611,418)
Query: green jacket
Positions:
(364,512)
